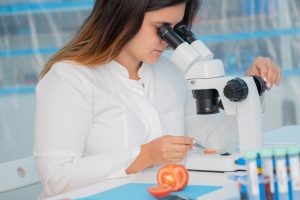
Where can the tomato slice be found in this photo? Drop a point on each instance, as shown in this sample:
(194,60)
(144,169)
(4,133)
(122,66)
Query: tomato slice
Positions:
(174,175)
(160,190)
(209,151)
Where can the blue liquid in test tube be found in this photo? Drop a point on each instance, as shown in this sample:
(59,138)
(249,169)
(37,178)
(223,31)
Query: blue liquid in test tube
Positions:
(294,166)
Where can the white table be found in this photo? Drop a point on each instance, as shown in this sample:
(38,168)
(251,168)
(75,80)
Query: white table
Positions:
(278,137)
(228,191)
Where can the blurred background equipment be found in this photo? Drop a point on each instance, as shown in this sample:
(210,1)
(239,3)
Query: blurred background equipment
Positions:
(235,30)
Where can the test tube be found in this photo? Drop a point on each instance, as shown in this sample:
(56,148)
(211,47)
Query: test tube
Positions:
(252,176)
(261,181)
(281,173)
(268,172)
(293,154)
(243,191)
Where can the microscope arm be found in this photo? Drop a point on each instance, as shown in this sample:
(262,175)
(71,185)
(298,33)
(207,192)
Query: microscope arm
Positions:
(217,131)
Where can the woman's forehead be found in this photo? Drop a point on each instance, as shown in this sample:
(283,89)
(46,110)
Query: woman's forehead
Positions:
(168,15)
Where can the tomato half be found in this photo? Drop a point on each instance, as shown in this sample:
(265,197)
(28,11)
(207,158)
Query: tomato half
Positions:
(160,190)
(174,175)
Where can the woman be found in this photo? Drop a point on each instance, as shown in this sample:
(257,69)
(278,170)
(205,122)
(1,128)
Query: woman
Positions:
(108,103)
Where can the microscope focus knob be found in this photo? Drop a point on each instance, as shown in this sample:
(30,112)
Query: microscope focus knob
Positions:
(260,85)
(236,90)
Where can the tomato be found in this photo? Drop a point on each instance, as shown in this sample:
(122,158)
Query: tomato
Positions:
(160,190)
(173,175)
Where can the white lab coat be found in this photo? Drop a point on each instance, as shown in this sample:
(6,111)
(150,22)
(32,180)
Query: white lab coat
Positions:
(91,121)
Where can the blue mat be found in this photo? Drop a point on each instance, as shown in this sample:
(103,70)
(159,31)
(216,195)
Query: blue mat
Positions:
(138,191)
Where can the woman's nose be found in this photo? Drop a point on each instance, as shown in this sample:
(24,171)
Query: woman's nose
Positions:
(164,43)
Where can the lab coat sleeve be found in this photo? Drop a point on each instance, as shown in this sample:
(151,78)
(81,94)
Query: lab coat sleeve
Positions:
(214,130)
(63,121)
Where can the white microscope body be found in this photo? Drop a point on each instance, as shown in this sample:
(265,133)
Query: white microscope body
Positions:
(238,96)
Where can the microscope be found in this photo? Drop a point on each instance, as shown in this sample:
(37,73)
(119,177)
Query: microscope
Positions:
(213,90)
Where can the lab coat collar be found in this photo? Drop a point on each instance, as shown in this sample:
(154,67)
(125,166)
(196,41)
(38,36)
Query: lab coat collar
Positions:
(123,72)
(141,86)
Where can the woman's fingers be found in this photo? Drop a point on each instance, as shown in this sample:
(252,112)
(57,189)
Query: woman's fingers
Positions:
(182,140)
(180,148)
(176,156)
(273,71)
(267,69)
(278,75)
(169,148)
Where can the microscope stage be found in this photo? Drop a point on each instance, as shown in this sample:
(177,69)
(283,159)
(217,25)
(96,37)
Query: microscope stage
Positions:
(218,162)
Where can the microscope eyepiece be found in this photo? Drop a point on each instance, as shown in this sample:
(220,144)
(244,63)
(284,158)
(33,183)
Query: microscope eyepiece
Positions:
(169,36)
(164,30)
(183,31)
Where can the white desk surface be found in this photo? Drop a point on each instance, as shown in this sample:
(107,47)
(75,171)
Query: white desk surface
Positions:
(229,190)
(282,137)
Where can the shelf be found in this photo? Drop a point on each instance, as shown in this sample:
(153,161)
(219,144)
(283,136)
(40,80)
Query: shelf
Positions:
(17,90)
(204,38)
(250,35)
(25,8)
(31,88)
(28,52)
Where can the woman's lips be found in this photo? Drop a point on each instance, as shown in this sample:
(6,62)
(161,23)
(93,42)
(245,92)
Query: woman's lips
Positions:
(159,51)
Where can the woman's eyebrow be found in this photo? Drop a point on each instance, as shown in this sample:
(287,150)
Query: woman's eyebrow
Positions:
(162,23)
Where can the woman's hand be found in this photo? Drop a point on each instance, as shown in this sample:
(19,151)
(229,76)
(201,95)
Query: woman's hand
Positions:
(162,150)
(267,69)
(168,149)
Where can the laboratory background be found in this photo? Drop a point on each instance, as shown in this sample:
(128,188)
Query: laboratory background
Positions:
(236,31)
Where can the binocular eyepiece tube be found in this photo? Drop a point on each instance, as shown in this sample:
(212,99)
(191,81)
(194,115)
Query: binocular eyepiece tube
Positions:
(169,36)
(183,31)
(178,35)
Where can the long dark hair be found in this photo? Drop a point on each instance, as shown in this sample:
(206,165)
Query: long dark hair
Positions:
(111,24)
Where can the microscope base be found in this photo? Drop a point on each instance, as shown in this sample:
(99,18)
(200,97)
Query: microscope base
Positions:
(212,163)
